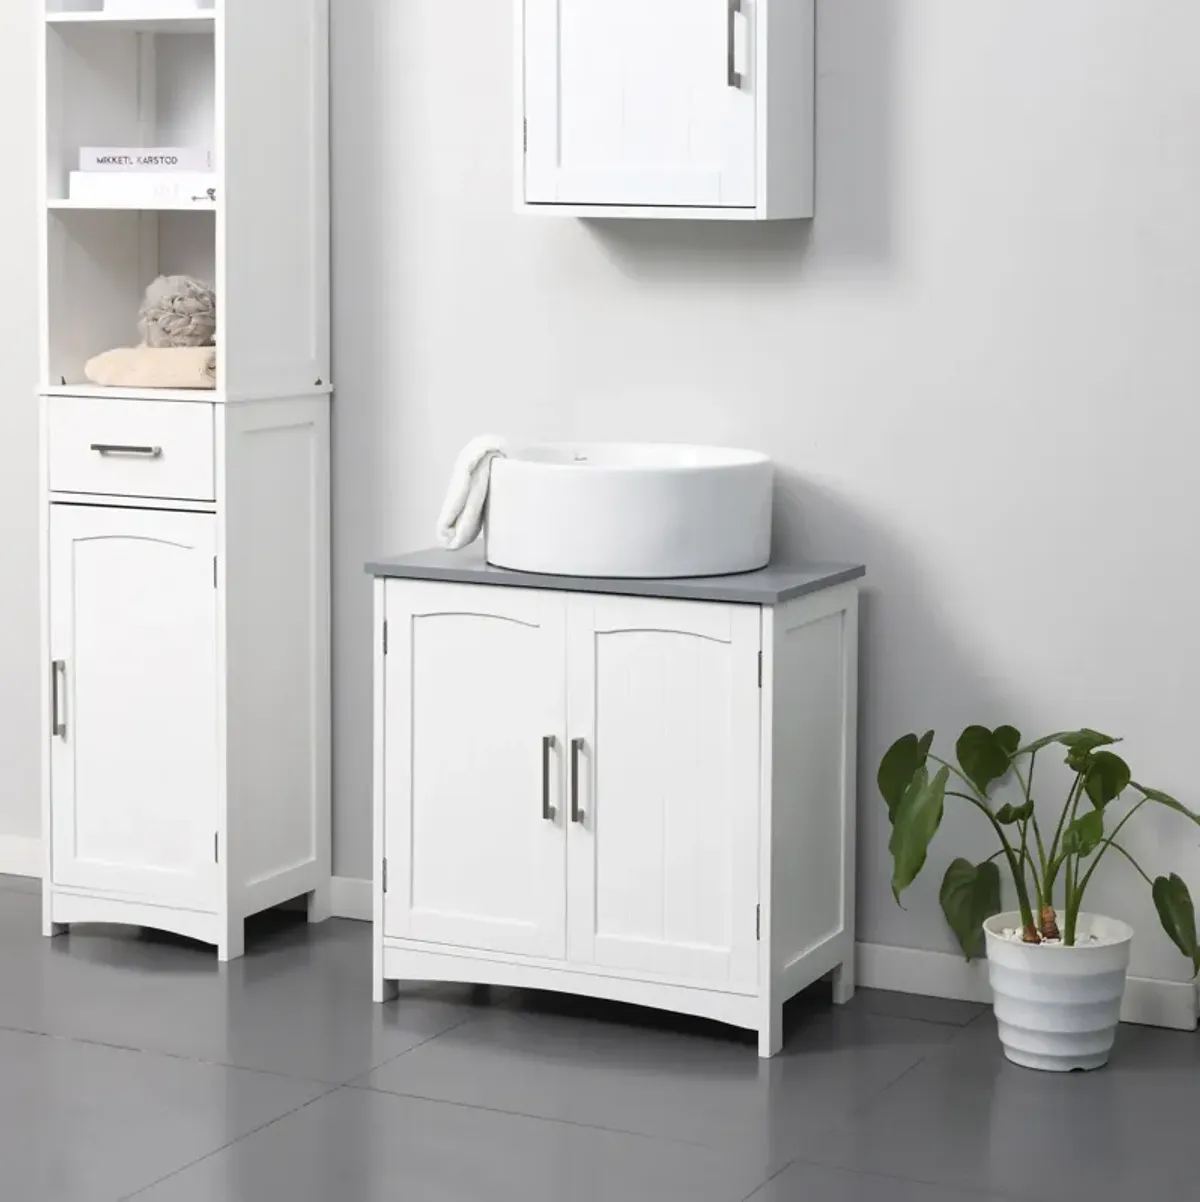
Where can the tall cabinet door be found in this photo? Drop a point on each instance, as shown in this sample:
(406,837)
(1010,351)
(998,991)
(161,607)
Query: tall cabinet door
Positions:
(474,715)
(639,102)
(663,714)
(134,757)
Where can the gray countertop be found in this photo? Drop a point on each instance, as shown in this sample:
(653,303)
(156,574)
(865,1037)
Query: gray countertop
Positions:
(772,585)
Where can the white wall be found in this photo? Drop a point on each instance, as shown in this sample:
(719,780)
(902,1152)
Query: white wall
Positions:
(19,807)
(977,370)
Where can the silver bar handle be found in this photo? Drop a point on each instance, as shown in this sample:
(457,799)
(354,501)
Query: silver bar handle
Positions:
(59,724)
(116,448)
(733,76)
(548,811)
(576,748)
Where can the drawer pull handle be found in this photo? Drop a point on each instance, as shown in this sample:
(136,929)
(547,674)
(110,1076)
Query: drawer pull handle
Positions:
(58,669)
(733,76)
(547,748)
(576,748)
(116,448)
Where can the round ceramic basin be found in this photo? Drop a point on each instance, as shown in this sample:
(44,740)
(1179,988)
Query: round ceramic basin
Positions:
(633,510)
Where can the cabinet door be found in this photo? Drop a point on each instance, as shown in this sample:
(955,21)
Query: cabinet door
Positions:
(474,681)
(663,713)
(133,764)
(635,102)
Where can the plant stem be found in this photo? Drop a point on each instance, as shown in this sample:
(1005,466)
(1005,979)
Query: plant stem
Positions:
(1110,842)
(1118,847)
(979,801)
(1054,863)
(1072,907)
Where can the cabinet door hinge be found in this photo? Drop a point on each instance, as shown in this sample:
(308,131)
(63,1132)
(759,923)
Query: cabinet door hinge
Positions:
(525,145)
(214,571)
(385,875)
(385,638)
(216,847)
(758,922)
(760,669)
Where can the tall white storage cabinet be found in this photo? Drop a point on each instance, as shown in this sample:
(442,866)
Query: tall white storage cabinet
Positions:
(666,108)
(185,541)
(638,790)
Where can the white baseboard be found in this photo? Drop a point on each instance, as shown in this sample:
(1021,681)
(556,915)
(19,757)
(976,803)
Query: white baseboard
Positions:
(20,856)
(351,898)
(1148,1002)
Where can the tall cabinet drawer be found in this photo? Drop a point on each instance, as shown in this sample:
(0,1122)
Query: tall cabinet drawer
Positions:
(131,448)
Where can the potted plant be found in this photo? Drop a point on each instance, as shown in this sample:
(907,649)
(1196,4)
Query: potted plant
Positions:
(1057,972)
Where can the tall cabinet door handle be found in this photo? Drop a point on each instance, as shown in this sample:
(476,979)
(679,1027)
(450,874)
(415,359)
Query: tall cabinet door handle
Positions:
(576,748)
(733,76)
(58,671)
(548,812)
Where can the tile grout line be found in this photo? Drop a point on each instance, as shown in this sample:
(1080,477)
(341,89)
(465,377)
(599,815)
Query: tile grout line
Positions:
(230,1143)
(128,1047)
(539,1118)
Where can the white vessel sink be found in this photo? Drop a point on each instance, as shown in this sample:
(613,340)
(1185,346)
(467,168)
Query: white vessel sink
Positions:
(641,510)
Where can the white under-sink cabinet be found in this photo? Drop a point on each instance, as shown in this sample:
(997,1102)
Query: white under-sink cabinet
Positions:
(666,108)
(642,798)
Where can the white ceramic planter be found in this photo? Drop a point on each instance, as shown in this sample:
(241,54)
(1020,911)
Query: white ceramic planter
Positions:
(1057,1008)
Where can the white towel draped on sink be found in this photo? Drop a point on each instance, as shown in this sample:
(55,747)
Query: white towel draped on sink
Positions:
(462,511)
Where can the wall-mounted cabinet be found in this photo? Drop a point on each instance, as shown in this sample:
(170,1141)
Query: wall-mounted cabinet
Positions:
(666,108)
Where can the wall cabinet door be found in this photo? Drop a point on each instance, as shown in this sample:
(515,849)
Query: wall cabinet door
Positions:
(474,684)
(663,859)
(637,102)
(134,760)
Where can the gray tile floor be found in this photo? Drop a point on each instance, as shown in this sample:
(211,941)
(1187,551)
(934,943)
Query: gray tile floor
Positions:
(132,1065)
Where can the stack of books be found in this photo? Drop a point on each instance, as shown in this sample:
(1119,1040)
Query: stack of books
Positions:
(145,177)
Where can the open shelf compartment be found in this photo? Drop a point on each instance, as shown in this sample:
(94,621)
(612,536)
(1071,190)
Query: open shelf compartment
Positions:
(99,266)
(110,83)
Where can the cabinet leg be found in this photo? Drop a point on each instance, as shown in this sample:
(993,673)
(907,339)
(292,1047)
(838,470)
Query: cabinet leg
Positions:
(843,983)
(233,945)
(320,903)
(385,990)
(50,929)
(770,1031)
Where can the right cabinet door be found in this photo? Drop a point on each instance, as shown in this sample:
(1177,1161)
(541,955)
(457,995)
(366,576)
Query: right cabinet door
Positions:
(663,715)
(639,102)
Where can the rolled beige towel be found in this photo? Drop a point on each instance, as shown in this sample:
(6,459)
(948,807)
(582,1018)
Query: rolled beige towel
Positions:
(154,367)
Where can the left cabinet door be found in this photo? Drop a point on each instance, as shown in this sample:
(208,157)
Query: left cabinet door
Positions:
(473,725)
(134,758)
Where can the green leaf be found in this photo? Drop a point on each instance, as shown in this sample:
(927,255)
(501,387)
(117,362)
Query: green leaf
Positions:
(898,766)
(1009,738)
(970,893)
(1082,740)
(982,756)
(1007,814)
(1178,916)
(1084,834)
(1105,778)
(915,823)
(1165,799)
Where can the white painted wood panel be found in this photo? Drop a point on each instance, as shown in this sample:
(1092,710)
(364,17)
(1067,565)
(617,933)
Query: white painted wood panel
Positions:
(275,590)
(474,682)
(629,102)
(163,449)
(273,200)
(134,775)
(663,867)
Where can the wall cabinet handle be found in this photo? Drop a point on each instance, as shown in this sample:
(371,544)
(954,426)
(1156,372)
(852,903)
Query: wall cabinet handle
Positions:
(576,748)
(548,811)
(733,76)
(115,448)
(58,670)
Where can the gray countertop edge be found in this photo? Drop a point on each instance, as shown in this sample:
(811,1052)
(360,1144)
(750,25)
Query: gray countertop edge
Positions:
(772,585)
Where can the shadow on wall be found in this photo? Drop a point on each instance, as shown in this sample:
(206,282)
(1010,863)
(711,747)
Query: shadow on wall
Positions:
(911,661)
(859,107)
